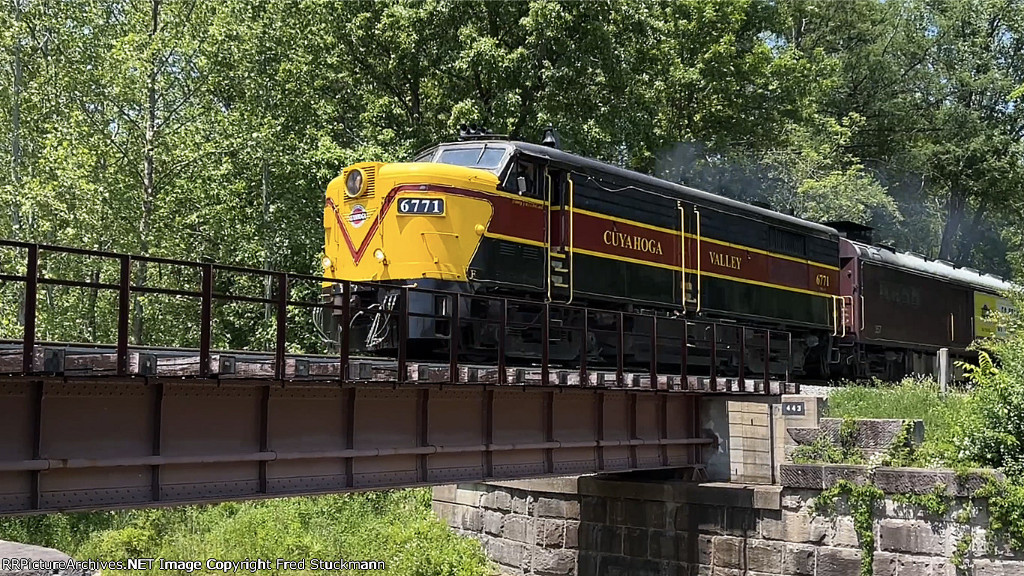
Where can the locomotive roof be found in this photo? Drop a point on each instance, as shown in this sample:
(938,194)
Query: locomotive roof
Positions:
(673,189)
(936,268)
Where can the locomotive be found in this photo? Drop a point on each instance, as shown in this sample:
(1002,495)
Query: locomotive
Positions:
(487,215)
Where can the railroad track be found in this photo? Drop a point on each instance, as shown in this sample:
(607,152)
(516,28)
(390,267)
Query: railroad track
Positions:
(84,361)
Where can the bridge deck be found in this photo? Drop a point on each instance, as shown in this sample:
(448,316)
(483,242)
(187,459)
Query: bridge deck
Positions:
(90,361)
(89,426)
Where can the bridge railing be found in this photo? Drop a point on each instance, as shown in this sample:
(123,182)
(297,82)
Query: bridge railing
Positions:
(706,354)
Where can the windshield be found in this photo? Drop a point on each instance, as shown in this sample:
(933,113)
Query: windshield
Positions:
(487,157)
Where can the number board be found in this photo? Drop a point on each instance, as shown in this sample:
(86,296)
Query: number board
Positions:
(424,206)
(793,409)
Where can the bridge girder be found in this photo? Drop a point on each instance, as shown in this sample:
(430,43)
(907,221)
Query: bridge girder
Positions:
(75,444)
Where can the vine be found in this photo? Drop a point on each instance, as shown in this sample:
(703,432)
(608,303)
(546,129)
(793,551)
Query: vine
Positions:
(902,451)
(862,500)
(1005,510)
(962,551)
(1005,500)
(824,451)
(937,502)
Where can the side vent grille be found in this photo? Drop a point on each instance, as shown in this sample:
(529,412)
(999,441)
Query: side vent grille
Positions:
(371,179)
(508,249)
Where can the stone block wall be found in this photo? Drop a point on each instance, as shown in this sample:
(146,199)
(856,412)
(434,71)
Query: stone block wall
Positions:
(526,528)
(611,526)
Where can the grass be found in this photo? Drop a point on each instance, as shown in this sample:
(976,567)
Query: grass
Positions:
(397,527)
(911,399)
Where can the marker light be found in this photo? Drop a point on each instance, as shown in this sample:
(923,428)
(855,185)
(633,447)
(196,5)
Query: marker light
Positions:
(354,183)
(379,255)
(326,262)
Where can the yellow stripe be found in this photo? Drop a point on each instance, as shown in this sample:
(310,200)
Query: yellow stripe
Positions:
(664,266)
(525,199)
(703,238)
(515,239)
(766,253)
(625,259)
(693,271)
(766,284)
(623,220)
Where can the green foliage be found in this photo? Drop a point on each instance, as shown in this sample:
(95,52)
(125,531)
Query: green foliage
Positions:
(911,399)
(992,425)
(933,83)
(862,500)
(962,551)
(936,503)
(902,451)
(982,372)
(1005,504)
(396,527)
(824,451)
(214,134)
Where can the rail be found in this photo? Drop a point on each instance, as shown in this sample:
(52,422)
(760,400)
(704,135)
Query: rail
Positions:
(665,352)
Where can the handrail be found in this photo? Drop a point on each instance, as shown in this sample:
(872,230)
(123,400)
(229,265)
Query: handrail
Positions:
(844,314)
(863,316)
(699,289)
(682,251)
(547,232)
(287,297)
(835,316)
(572,231)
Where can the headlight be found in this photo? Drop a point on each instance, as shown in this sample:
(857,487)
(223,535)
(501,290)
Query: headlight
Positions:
(326,262)
(354,183)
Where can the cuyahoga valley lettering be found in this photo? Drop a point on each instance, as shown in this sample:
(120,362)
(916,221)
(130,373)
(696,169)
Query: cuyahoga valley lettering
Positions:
(632,242)
(725,260)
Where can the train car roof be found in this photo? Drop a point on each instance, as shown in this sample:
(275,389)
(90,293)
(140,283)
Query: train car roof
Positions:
(936,268)
(679,190)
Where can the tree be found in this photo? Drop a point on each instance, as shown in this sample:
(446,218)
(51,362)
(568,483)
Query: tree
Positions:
(932,81)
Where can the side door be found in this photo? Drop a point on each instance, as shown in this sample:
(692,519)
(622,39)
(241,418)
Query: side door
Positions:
(519,254)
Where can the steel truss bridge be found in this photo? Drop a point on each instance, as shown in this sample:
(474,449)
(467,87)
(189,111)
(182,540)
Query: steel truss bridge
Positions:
(106,425)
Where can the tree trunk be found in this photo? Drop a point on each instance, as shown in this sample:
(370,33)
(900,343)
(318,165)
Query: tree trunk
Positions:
(16,129)
(90,313)
(268,309)
(149,191)
(969,235)
(954,217)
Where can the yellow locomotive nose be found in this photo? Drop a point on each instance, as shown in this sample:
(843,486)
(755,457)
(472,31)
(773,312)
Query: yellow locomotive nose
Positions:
(405,221)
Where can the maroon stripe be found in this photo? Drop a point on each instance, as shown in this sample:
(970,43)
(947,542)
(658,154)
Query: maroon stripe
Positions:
(748,265)
(520,219)
(614,238)
(512,216)
(620,239)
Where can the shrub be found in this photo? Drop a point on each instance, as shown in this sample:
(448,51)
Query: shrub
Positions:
(910,399)
(396,526)
(991,428)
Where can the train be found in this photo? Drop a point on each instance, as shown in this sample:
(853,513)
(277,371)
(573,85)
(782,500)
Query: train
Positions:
(488,215)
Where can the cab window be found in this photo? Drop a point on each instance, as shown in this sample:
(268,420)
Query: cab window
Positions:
(426,155)
(532,183)
(479,156)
